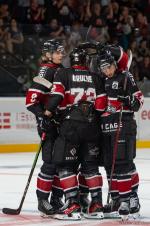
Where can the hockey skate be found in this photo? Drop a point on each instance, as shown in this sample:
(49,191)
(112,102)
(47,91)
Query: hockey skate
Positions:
(70,211)
(84,202)
(134,206)
(111,210)
(56,202)
(124,210)
(95,211)
(45,208)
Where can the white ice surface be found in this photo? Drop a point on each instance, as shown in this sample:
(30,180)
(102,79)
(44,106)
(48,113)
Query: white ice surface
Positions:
(14,172)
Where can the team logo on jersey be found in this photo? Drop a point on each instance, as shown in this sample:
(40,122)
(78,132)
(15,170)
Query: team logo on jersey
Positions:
(42,71)
(73,156)
(111,109)
(115,85)
(73,151)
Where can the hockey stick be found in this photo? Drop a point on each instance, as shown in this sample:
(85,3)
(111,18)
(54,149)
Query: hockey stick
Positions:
(129,60)
(88,31)
(42,81)
(118,132)
(17,211)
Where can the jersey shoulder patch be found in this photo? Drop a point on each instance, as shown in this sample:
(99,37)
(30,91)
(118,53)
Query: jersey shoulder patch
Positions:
(42,71)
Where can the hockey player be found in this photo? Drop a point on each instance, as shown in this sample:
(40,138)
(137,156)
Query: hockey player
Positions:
(80,93)
(123,61)
(123,99)
(36,99)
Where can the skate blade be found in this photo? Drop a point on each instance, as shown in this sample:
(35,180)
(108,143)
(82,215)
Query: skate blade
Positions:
(82,214)
(135,215)
(98,215)
(112,215)
(43,215)
(124,217)
(72,216)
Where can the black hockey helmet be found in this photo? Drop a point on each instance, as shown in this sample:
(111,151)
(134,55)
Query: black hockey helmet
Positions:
(105,60)
(78,56)
(52,45)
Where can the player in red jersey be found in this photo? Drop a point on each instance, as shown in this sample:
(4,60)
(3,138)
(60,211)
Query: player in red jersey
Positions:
(36,100)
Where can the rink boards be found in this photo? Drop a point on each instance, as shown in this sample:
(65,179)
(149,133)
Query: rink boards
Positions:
(18,127)
(9,148)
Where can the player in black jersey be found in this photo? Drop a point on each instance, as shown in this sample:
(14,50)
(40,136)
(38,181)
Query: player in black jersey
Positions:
(123,62)
(123,99)
(79,93)
(36,99)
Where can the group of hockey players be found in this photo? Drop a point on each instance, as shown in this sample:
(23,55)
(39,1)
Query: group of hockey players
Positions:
(88,118)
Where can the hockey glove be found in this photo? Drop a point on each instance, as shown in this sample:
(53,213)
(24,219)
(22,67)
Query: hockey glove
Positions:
(45,123)
(135,104)
(126,100)
(130,101)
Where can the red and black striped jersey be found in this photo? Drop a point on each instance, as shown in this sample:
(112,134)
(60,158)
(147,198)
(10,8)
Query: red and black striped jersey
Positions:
(37,94)
(76,84)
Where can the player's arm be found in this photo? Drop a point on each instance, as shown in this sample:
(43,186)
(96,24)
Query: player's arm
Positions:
(34,99)
(101,97)
(57,91)
(133,97)
(120,56)
(37,93)
(137,98)
(117,52)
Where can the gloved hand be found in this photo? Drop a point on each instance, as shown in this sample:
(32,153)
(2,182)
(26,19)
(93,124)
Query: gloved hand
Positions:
(126,100)
(45,123)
